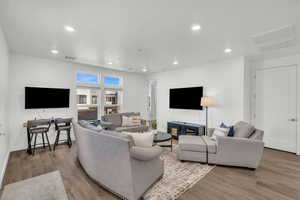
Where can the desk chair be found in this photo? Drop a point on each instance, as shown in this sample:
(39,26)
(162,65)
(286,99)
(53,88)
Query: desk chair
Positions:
(63,125)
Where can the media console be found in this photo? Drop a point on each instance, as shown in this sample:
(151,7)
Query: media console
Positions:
(183,128)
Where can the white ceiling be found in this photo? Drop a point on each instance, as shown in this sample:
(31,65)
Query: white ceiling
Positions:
(138,33)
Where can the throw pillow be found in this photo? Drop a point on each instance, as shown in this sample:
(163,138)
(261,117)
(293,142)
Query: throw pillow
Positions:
(142,139)
(127,121)
(136,120)
(231,129)
(219,132)
(243,129)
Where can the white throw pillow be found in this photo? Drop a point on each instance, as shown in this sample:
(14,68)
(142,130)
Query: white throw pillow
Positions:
(218,132)
(134,120)
(142,139)
(127,121)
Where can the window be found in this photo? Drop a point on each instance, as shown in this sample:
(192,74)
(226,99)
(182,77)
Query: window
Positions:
(82,99)
(112,101)
(96,98)
(112,81)
(87,78)
(88,105)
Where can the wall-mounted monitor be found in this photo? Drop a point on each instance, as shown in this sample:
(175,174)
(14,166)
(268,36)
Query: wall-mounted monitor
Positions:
(186,98)
(42,98)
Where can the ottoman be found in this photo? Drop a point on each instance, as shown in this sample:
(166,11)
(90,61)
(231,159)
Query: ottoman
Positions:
(196,148)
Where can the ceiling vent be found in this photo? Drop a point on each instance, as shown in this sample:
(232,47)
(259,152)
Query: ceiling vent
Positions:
(283,37)
(70,58)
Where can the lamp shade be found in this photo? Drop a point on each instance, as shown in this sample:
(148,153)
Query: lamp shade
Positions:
(207,102)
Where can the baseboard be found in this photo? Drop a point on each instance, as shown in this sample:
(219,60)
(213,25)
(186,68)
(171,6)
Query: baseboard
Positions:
(4,168)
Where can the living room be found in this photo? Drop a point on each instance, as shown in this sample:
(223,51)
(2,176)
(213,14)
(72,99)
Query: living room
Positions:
(118,64)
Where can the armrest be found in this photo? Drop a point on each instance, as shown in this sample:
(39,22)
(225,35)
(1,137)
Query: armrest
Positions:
(242,150)
(145,153)
(210,131)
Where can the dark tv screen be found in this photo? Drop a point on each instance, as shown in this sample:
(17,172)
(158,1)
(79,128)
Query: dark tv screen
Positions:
(186,98)
(39,98)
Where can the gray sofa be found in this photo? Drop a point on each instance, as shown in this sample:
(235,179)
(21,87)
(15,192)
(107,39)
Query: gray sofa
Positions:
(116,122)
(112,160)
(232,151)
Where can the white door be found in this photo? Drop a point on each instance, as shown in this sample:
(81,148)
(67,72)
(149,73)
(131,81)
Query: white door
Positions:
(276,110)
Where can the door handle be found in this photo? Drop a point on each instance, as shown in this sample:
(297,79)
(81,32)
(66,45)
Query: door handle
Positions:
(293,120)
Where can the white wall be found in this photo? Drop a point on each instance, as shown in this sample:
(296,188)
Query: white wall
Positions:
(31,71)
(223,80)
(4,139)
(278,62)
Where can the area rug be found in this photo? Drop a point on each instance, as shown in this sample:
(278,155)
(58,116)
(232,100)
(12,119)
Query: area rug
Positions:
(178,178)
(45,187)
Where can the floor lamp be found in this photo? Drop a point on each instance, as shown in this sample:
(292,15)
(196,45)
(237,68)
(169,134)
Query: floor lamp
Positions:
(206,102)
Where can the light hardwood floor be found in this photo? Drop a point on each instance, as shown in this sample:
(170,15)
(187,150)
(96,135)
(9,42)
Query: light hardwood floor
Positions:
(278,177)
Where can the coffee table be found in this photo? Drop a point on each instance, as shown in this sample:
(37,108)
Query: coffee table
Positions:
(163,137)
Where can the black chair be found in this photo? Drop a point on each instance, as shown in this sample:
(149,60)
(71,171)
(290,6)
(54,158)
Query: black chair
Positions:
(63,125)
(37,127)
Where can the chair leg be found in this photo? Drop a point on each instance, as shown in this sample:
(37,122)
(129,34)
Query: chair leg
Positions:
(31,137)
(69,138)
(48,141)
(34,144)
(43,140)
(56,140)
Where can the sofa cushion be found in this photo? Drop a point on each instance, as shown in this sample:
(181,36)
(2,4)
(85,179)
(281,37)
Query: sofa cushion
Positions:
(211,144)
(191,143)
(197,143)
(243,129)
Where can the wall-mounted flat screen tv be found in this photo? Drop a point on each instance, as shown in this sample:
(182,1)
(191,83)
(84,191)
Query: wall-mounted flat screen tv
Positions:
(186,98)
(41,98)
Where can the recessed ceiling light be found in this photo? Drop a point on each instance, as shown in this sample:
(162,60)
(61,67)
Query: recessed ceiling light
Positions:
(110,63)
(69,28)
(175,62)
(228,50)
(144,69)
(54,51)
(195,27)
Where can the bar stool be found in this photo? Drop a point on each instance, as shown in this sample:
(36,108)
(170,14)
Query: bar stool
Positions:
(37,127)
(63,125)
